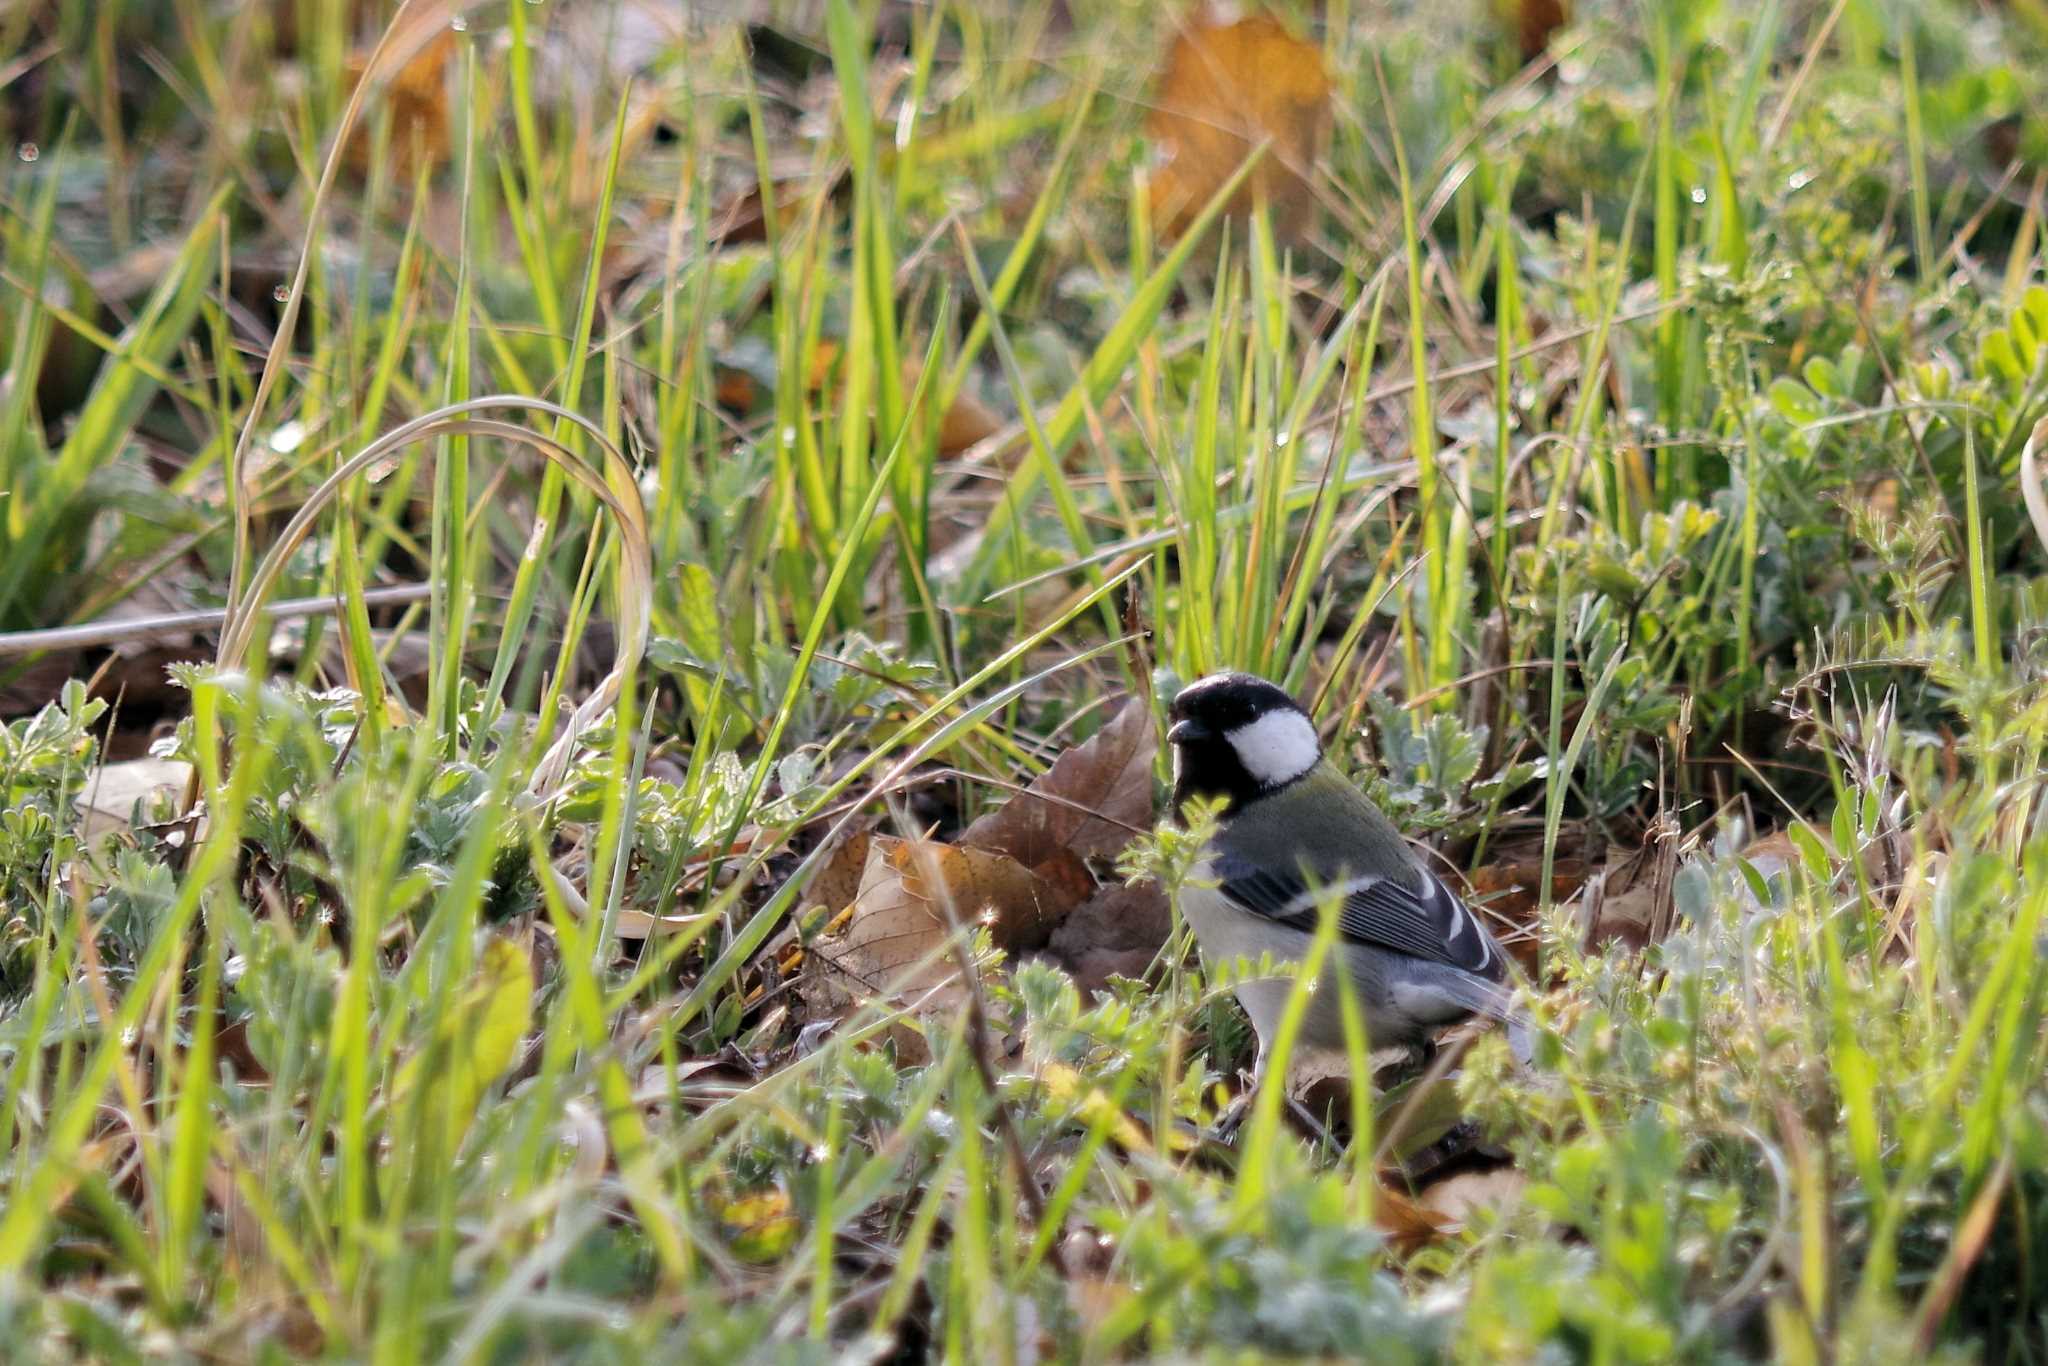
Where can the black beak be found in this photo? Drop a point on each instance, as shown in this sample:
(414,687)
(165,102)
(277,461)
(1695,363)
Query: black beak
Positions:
(1188,733)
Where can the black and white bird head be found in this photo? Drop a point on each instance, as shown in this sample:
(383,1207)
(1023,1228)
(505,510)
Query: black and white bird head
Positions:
(1239,737)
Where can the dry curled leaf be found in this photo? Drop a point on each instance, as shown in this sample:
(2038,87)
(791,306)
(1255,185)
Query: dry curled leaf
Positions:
(924,888)
(1020,871)
(1091,803)
(1225,89)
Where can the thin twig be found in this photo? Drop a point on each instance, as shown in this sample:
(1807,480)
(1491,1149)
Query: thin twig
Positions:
(165,625)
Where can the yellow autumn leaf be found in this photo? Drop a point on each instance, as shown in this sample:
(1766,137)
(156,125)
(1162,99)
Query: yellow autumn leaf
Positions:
(1091,1106)
(760,1226)
(1225,89)
(481,1033)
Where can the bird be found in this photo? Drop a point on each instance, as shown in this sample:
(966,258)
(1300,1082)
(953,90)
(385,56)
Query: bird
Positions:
(1293,834)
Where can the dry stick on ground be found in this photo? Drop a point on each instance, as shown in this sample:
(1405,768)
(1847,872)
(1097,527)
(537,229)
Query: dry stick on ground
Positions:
(169,624)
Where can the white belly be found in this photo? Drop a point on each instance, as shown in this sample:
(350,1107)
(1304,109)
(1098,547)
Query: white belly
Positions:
(1228,933)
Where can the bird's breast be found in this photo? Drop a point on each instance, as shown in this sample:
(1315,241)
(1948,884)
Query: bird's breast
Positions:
(1227,931)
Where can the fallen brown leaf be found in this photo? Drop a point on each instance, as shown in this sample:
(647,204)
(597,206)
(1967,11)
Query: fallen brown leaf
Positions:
(1117,931)
(741,216)
(932,886)
(912,895)
(734,390)
(1226,88)
(837,884)
(1455,1198)
(1064,869)
(37,682)
(109,797)
(1532,22)
(1774,855)
(1093,800)
(1505,894)
(417,96)
(231,1045)
(1020,870)
(1407,1224)
(967,421)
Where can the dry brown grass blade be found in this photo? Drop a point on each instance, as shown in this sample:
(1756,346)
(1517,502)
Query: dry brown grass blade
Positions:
(1970,1238)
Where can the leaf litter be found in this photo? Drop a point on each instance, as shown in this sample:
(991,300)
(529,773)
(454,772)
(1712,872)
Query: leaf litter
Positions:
(1019,872)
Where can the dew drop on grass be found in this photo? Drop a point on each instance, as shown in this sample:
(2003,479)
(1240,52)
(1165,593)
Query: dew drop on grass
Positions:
(282,293)
(460,23)
(28,151)
(1798,180)
(789,436)
(1699,194)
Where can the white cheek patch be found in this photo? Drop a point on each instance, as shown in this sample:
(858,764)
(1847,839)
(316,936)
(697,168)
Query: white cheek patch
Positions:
(1277,748)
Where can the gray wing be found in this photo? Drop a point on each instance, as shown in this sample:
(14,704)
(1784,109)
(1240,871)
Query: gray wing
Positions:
(1425,921)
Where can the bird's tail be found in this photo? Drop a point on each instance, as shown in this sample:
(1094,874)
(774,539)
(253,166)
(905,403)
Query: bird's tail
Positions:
(1496,1000)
